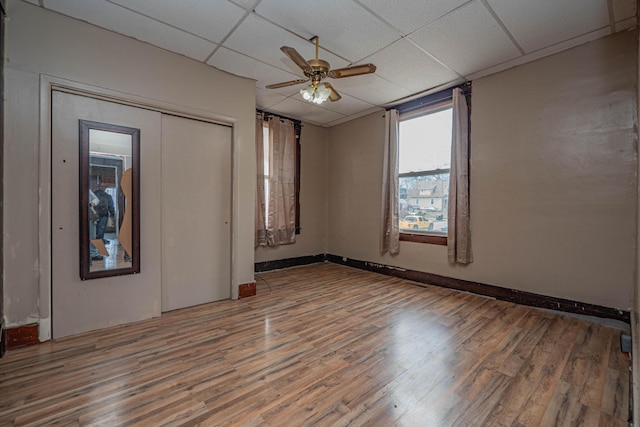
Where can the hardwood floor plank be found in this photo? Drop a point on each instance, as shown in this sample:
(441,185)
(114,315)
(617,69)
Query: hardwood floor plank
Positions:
(489,391)
(519,356)
(593,388)
(615,398)
(609,421)
(508,408)
(327,345)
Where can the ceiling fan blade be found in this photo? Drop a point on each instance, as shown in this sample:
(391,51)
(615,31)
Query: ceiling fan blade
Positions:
(334,95)
(297,58)
(284,84)
(352,71)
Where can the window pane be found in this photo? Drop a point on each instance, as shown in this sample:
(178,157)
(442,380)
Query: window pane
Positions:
(425,147)
(266,153)
(424,203)
(265,145)
(425,142)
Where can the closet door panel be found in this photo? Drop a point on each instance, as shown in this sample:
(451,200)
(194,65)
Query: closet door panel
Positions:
(84,305)
(196,212)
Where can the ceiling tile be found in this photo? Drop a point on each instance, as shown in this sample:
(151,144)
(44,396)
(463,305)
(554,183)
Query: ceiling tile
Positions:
(207,19)
(541,23)
(347,105)
(246,4)
(355,116)
(305,111)
(241,65)
(467,40)
(262,40)
(120,20)
(538,54)
(413,14)
(417,71)
(370,88)
(266,98)
(343,26)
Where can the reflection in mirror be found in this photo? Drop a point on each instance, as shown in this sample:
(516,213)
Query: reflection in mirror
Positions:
(109,237)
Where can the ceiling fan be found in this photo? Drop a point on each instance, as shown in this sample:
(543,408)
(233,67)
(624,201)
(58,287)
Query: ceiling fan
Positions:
(316,70)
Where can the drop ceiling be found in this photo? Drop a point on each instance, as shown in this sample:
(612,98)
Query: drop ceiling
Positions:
(419,46)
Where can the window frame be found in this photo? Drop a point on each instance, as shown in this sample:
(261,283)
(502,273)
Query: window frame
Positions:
(429,105)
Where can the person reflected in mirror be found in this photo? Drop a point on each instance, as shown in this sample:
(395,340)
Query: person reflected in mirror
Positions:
(105,209)
(94,201)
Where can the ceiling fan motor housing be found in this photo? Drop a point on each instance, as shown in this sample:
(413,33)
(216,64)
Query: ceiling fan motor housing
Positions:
(319,68)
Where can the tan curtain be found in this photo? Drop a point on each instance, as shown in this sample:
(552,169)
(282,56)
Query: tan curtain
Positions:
(281,218)
(459,234)
(390,238)
(260,223)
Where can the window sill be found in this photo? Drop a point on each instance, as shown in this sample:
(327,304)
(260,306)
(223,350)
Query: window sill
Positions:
(424,238)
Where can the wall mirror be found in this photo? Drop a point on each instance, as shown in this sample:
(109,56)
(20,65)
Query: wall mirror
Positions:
(109,200)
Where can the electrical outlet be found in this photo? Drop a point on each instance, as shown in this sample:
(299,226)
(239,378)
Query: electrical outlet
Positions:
(625,343)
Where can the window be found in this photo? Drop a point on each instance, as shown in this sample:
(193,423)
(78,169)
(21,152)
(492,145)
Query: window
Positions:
(265,133)
(421,136)
(265,176)
(424,163)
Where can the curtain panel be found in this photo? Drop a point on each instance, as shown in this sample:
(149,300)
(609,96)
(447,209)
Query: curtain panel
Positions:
(260,238)
(281,222)
(276,213)
(459,233)
(390,233)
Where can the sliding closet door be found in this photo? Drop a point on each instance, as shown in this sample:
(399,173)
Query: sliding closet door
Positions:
(196,212)
(84,305)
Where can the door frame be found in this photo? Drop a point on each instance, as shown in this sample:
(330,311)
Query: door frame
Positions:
(50,83)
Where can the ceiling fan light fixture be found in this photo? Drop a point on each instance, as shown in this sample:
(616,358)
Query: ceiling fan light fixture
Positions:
(308,93)
(316,93)
(323,92)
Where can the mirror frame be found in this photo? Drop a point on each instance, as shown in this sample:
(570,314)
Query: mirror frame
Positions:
(133,204)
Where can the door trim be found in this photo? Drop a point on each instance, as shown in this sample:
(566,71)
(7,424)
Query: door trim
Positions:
(50,83)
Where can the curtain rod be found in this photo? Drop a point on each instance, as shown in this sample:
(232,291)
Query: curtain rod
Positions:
(431,99)
(268,114)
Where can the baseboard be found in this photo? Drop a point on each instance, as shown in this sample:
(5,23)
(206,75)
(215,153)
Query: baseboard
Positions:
(21,336)
(3,339)
(289,262)
(247,290)
(635,368)
(497,292)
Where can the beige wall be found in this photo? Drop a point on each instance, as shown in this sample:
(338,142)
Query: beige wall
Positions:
(312,239)
(355,179)
(38,43)
(553,184)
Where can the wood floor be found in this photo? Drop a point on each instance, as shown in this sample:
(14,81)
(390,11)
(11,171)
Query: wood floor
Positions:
(328,345)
